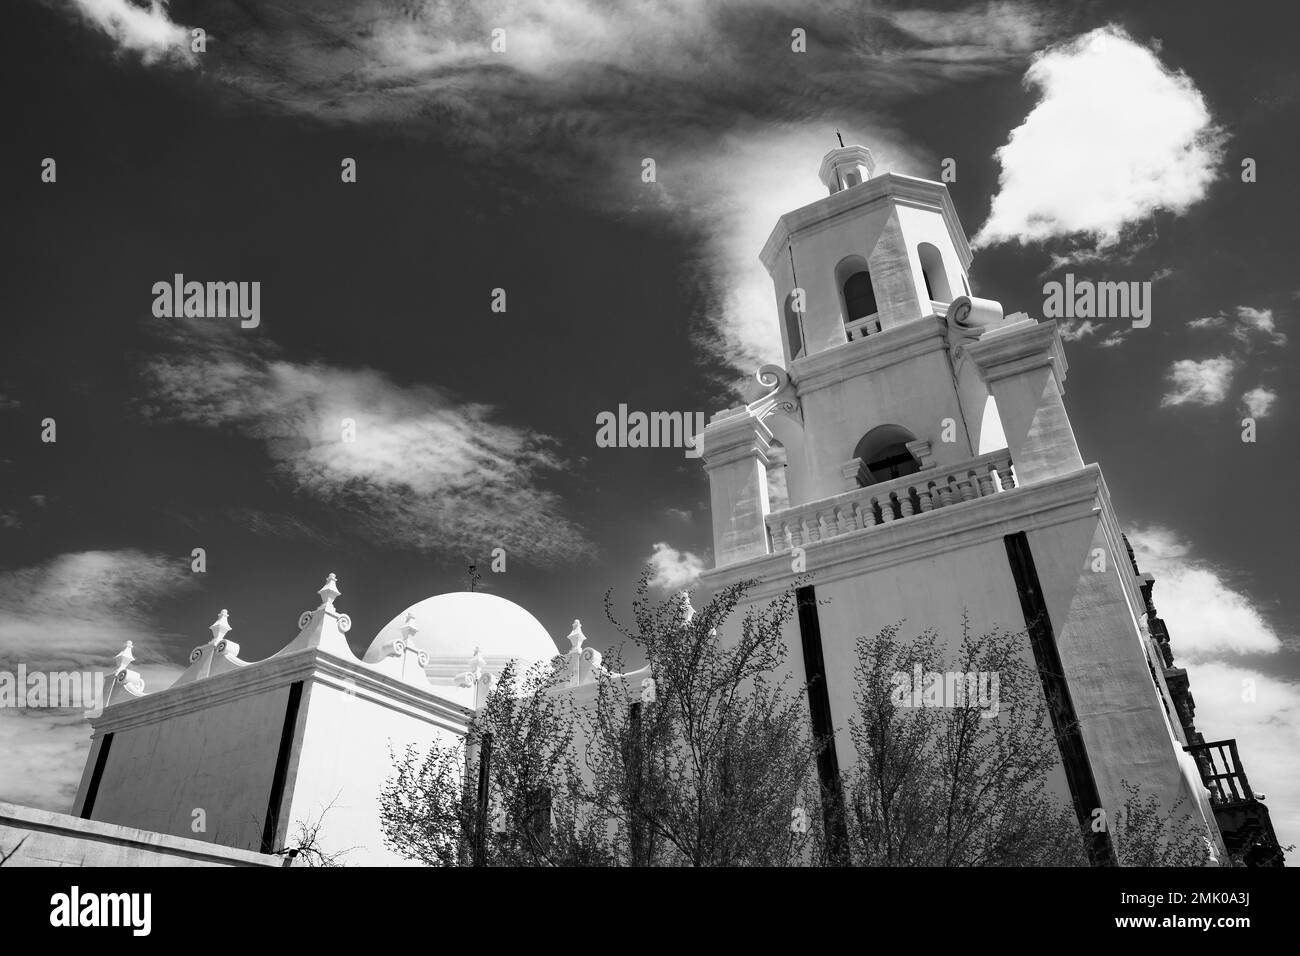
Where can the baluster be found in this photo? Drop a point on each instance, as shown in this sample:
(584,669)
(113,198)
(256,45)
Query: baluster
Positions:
(886,509)
(923,496)
(1004,473)
(905,507)
(945,494)
(966,488)
(844,519)
(986,484)
(796,534)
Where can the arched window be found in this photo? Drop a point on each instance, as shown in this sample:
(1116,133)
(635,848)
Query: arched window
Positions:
(884,451)
(793,327)
(936,279)
(859,297)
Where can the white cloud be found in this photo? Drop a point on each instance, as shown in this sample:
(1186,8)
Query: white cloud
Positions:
(707,89)
(1249,326)
(145,29)
(1075,330)
(1115,136)
(1208,615)
(673,570)
(1198,383)
(1258,402)
(1211,622)
(425,470)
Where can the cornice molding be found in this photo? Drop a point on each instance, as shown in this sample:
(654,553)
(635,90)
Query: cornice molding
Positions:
(878,190)
(311,664)
(870,354)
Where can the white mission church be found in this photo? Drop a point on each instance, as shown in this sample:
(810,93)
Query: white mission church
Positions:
(929,469)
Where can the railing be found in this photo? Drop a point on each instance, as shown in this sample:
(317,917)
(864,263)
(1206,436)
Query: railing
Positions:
(870,324)
(861,328)
(889,501)
(1221,771)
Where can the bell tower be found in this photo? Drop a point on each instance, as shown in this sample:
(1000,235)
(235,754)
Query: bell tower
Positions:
(932,475)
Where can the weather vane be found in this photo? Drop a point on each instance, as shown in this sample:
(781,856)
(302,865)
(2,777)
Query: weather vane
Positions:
(473,577)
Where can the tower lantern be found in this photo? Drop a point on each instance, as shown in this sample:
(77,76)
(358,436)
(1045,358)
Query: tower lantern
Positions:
(846,167)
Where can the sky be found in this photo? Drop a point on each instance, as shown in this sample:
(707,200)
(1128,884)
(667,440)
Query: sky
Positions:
(1087,138)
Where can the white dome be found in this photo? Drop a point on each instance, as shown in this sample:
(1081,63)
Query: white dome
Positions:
(452,626)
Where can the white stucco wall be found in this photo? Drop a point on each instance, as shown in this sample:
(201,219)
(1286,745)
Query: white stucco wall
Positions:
(344,758)
(219,760)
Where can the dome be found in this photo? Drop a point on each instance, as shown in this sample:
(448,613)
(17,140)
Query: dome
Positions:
(453,626)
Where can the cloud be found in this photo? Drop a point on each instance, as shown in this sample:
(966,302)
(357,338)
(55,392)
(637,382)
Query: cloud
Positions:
(1075,330)
(1249,326)
(1212,622)
(1258,402)
(1115,136)
(79,609)
(1198,383)
(1207,613)
(74,613)
(735,119)
(138,28)
(673,570)
(425,469)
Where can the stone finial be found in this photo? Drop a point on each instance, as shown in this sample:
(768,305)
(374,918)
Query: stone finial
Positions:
(648,691)
(477,663)
(124,658)
(130,681)
(409,627)
(576,637)
(688,610)
(329,591)
(220,627)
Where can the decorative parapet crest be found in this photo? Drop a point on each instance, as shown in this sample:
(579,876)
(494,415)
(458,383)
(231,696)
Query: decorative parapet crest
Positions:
(123,680)
(477,677)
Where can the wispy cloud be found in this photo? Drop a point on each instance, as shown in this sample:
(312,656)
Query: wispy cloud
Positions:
(736,120)
(1198,383)
(74,613)
(1207,382)
(416,466)
(145,29)
(1249,326)
(673,570)
(1212,623)
(1115,136)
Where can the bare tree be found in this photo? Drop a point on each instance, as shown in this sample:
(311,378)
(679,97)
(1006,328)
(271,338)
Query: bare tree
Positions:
(711,772)
(947,777)
(306,848)
(1145,836)
(535,812)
